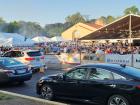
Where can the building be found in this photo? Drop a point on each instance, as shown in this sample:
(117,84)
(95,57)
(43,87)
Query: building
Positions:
(80,30)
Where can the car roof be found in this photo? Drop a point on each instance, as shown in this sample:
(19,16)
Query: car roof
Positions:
(6,58)
(105,65)
(131,71)
(30,50)
(25,50)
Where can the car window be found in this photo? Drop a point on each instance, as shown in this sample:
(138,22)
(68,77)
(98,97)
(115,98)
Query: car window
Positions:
(34,53)
(100,74)
(118,77)
(79,73)
(17,54)
(8,54)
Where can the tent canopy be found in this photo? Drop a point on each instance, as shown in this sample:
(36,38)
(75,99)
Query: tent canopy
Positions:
(57,39)
(14,39)
(118,29)
(41,39)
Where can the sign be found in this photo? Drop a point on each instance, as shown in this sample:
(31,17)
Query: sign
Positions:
(136,60)
(119,59)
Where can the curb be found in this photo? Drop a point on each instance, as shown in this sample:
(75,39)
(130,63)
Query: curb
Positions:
(32,98)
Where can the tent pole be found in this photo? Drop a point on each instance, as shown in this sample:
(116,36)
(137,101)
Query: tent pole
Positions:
(130,38)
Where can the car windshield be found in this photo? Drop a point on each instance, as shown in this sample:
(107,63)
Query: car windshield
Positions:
(132,71)
(9,62)
(34,53)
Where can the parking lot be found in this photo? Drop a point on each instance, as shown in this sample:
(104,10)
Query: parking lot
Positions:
(28,88)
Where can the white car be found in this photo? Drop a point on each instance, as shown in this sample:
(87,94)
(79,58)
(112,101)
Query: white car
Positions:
(32,58)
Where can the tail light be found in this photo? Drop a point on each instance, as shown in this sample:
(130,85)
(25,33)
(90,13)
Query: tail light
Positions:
(138,87)
(29,59)
(42,57)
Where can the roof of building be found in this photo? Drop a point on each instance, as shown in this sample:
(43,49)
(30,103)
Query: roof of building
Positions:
(94,25)
(117,29)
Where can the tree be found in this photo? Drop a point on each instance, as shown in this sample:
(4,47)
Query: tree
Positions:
(110,19)
(30,29)
(101,21)
(55,29)
(13,27)
(132,9)
(2,24)
(75,18)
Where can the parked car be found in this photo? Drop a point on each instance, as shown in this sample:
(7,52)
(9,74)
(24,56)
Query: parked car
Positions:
(33,58)
(106,84)
(12,70)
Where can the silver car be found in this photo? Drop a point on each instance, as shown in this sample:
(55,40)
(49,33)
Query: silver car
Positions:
(33,58)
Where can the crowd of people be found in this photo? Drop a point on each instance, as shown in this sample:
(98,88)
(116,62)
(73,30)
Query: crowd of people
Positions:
(104,48)
(94,48)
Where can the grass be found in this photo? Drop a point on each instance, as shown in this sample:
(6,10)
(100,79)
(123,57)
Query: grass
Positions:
(5,97)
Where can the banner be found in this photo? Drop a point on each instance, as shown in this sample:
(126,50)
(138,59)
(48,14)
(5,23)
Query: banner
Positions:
(136,60)
(119,59)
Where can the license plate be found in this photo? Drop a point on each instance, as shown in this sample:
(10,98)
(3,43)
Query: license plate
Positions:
(21,71)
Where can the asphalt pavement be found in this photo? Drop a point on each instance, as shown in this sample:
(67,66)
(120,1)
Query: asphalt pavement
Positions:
(29,87)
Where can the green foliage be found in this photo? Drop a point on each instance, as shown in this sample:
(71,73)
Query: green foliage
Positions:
(30,28)
(132,9)
(56,29)
(110,19)
(13,27)
(5,97)
(75,18)
(107,20)
(2,24)
(103,19)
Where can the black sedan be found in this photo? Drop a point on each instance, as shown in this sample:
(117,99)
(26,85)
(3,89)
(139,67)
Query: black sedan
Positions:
(105,84)
(12,70)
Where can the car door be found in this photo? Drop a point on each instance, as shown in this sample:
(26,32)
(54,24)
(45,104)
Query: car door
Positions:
(69,86)
(100,84)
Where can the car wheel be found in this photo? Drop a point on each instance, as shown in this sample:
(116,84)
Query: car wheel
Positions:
(118,100)
(47,92)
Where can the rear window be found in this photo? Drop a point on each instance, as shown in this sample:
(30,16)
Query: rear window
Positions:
(34,53)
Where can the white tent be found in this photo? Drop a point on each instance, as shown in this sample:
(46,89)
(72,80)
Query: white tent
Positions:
(41,39)
(14,39)
(57,39)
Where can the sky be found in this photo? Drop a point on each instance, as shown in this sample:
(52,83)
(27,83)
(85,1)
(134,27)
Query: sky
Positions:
(55,11)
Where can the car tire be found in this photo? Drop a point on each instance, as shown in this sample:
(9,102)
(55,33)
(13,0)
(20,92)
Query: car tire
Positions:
(47,92)
(118,100)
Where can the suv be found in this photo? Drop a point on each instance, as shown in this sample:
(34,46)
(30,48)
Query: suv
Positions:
(33,58)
